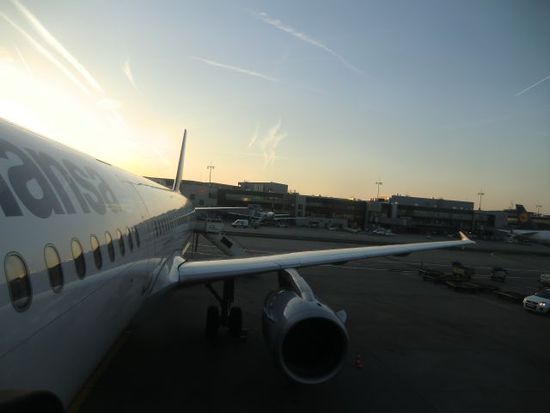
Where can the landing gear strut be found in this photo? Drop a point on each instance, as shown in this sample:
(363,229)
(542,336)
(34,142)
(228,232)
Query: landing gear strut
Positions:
(226,315)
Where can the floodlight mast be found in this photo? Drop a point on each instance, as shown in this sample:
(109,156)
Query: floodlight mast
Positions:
(480,193)
(378,192)
(210,168)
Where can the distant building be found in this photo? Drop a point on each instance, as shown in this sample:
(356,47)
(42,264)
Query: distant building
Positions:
(200,193)
(268,201)
(273,187)
(400,213)
(328,211)
(415,214)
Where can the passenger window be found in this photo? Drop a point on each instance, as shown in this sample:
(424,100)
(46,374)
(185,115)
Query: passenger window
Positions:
(130,241)
(110,246)
(78,256)
(136,234)
(19,284)
(53,264)
(96,249)
(120,242)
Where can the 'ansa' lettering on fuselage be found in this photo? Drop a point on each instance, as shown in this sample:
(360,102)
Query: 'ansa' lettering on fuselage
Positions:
(36,181)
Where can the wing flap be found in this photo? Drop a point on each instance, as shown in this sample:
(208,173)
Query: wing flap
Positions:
(206,271)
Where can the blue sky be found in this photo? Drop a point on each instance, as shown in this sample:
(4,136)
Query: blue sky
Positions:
(435,98)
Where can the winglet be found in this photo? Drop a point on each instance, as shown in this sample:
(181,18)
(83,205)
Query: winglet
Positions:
(463,236)
(177,181)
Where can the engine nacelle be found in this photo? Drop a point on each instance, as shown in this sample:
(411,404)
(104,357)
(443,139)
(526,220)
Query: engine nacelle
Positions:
(308,339)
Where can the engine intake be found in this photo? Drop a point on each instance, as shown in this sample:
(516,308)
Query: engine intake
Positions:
(307,338)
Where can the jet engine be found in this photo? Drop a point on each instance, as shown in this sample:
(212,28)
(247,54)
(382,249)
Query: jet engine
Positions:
(307,338)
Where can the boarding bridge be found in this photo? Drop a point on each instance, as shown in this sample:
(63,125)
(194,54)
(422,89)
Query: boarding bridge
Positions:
(213,232)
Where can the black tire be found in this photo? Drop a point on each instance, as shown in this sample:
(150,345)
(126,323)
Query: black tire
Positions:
(235,321)
(212,322)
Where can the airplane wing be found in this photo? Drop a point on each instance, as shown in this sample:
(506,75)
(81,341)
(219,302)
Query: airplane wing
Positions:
(220,209)
(207,271)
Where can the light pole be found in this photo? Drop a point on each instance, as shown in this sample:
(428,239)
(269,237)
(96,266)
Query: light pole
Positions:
(480,193)
(210,168)
(538,209)
(378,183)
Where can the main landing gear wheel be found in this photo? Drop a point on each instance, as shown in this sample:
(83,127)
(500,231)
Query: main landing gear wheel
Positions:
(235,321)
(212,322)
(226,314)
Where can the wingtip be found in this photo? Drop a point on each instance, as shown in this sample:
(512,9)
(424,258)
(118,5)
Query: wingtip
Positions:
(464,237)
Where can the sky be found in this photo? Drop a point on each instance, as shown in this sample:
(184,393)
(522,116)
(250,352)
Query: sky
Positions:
(440,99)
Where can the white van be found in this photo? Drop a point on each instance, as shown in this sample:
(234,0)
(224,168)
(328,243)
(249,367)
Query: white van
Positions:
(240,223)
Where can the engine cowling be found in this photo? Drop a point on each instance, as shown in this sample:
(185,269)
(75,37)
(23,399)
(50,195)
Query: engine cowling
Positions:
(307,338)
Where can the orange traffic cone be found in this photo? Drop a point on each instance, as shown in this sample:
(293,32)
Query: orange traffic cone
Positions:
(357,363)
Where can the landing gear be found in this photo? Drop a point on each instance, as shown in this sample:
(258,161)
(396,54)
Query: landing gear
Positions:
(227,315)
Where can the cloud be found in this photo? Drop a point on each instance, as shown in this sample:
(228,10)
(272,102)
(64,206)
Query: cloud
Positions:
(42,50)
(57,46)
(532,86)
(254,137)
(27,67)
(269,143)
(128,72)
(276,23)
(235,69)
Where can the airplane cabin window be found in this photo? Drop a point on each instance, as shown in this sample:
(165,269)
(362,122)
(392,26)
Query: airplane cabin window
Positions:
(136,234)
(53,264)
(96,249)
(130,241)
(121,245)
(19,284)
(110,247)
(78,256)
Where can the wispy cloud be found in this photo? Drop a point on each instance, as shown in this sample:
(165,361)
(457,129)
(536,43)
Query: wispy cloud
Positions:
(269,143)
(128,72)
(23,61)
(235,69)
(532,86)
(57,46)
(276,23)
(42,50)
(254,136)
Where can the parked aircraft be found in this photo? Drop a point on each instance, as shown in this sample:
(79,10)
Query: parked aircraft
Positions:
(257,216)
(527,230)
(84,244)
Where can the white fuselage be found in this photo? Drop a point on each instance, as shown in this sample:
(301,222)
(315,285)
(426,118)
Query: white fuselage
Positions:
(52,195)
(541,237)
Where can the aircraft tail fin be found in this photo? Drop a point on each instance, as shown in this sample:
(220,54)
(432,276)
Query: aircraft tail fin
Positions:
(177,181)
(522,215)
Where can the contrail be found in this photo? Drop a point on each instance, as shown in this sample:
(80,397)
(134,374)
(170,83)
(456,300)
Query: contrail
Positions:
(305,38)
(27,68)
(532,86)
(128,72)
(254,137)
(47,55)
(235,69)
(271,142)
(52,41)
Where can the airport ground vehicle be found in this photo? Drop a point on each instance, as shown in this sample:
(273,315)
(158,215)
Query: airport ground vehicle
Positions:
(462,272)
(240,223)
(545,279)
(538,302)
(498,274)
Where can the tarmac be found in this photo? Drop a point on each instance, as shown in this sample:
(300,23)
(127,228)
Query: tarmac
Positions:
(423,347)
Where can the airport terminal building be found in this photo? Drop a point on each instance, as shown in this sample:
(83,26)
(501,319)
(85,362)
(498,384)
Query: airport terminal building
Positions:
(400,213)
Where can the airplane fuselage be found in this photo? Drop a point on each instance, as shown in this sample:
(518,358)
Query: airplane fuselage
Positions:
(541,237)
(58,322)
